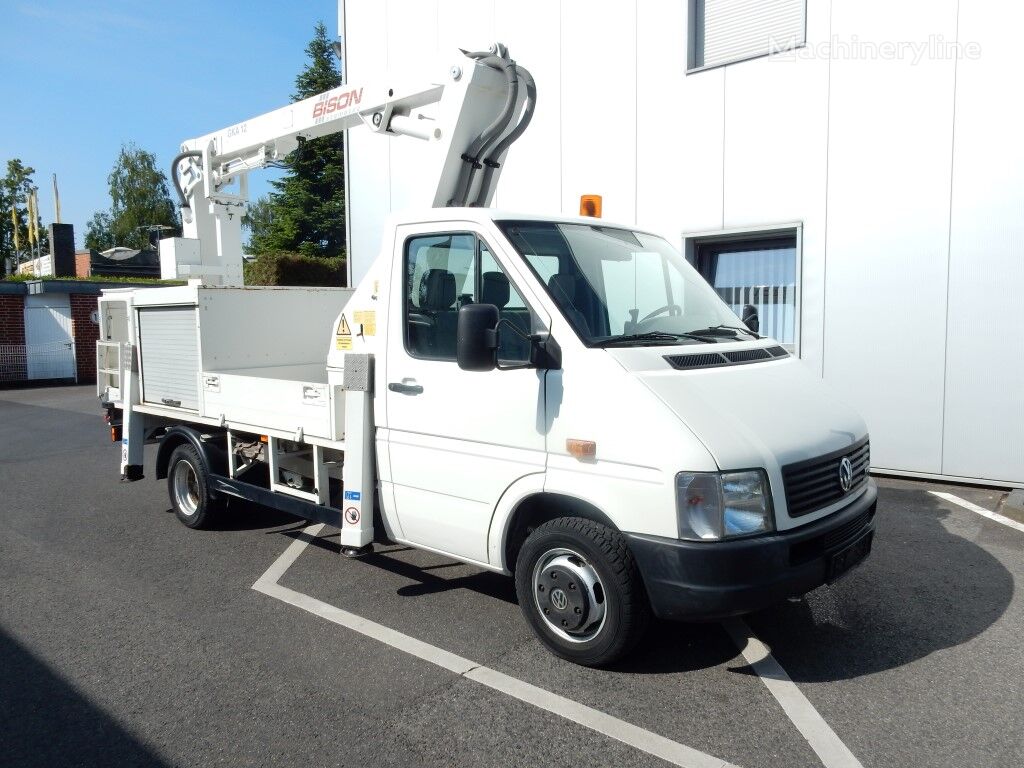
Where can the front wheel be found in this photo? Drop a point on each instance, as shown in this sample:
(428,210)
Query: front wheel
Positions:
(581,592)
(189,490)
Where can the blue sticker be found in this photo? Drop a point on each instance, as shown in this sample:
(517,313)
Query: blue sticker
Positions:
(124,441)
(352,495)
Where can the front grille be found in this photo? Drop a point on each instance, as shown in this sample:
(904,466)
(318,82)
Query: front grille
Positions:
(814,547)
(778,351)
(813,484)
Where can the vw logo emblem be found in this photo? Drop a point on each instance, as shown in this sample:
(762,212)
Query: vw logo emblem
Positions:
(558,599)
(846,473)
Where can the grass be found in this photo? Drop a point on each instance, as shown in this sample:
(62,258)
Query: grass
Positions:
(94,279)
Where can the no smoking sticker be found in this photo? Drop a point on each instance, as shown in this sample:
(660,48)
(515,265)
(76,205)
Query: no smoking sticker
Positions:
(352,516)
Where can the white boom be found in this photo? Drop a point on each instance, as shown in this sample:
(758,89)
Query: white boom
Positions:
(482,102)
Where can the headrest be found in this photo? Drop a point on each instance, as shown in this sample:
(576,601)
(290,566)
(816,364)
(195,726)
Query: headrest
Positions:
(494,289)
(437,290)
(563,288)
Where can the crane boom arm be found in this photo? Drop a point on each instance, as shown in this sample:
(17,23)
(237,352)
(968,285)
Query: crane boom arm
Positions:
(466,118)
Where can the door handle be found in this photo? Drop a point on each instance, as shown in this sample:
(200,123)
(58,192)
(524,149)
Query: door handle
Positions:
(405,389)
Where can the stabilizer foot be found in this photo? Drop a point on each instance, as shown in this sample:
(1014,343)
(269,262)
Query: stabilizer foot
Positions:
(357,551)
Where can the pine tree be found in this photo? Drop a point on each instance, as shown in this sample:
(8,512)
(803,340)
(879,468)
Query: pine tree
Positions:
(306,212)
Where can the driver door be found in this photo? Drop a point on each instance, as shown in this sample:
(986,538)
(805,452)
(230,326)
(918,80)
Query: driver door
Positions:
(456,439)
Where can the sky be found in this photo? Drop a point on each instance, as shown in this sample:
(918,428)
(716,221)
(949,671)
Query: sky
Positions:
(82,78)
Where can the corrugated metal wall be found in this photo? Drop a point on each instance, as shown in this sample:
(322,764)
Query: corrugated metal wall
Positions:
(902,162)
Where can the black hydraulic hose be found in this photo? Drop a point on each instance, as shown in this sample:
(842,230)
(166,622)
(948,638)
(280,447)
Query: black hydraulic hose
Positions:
(491,162)
(471,158)
(488,136)
(182,202)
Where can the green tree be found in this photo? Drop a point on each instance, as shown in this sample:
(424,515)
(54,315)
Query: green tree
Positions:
(99,232)
(139,199)
(14,191)
(306,211)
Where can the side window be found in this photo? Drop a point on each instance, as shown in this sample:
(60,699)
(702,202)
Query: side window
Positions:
(445,272)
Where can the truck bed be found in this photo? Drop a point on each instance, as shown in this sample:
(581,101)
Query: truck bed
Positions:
(253,359)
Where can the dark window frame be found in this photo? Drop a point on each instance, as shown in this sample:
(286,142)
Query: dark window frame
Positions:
(477,285)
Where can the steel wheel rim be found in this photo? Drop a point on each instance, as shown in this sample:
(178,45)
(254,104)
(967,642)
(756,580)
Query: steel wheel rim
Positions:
(186,488)
(555,609)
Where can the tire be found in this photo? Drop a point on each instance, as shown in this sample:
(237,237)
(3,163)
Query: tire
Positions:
(188,487)
(602,610)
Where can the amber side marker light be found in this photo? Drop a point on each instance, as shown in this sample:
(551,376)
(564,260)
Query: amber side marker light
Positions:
(581,449)
(590,205)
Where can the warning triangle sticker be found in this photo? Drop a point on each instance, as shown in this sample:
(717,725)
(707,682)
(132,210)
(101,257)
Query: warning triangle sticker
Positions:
(343,329)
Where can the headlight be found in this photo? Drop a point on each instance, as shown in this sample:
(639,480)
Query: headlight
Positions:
(722,505)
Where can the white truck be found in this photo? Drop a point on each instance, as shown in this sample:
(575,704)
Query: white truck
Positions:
(562,400)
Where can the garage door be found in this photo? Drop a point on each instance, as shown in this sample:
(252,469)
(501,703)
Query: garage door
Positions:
(49,345)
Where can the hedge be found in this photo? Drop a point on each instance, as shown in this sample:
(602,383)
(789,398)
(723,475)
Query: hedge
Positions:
(294,269)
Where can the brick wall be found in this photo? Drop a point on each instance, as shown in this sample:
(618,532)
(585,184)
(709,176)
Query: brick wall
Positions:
(12,331)
(82,267)
(12,319)
(86,334)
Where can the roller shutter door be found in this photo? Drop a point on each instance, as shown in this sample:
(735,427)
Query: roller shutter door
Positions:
(169,345)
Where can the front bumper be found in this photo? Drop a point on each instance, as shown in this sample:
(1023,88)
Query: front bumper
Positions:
(688,580)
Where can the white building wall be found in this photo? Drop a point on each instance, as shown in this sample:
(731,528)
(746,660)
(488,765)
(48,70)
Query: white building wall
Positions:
(906,178)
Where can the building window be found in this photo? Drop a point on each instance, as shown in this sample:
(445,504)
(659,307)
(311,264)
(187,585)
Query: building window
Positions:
(724,31)
(761,269)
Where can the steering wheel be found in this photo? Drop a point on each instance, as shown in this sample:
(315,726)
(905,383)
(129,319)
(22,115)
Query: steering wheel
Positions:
(661,311)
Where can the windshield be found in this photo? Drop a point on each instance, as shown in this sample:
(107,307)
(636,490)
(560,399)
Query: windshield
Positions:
(612,283)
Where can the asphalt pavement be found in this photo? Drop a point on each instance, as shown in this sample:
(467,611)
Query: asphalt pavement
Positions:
(127,639)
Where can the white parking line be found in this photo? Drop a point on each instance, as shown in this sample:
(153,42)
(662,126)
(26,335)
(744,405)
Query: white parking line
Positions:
(980,510)
(823,740)
(627,733)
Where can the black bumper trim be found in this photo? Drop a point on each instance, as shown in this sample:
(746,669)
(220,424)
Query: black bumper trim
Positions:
(689,581)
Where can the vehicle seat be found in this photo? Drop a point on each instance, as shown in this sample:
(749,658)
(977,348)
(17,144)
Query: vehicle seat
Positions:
(563,289)
(437,295)
(495,289)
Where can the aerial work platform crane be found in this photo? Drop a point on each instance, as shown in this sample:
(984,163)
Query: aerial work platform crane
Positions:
(514,391)
(467,118)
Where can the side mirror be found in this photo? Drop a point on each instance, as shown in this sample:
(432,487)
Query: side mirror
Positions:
(750,318)
(476,346)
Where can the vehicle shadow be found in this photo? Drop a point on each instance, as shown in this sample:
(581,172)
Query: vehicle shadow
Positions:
(242,515)
(922,589)
(45,722)
(428,579)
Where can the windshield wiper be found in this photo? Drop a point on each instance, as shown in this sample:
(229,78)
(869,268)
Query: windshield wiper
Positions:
(712,331)
(652,336)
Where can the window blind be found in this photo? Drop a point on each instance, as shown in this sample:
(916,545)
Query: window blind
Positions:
(733,30)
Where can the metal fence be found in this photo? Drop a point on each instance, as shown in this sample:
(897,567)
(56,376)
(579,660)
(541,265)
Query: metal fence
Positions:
(24,362)
(776,307)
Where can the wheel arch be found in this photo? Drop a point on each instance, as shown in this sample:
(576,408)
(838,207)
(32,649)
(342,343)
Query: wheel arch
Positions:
(214,457)
(538,508)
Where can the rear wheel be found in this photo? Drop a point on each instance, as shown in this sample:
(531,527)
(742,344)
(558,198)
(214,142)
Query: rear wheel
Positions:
(188,487)
(581,592)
